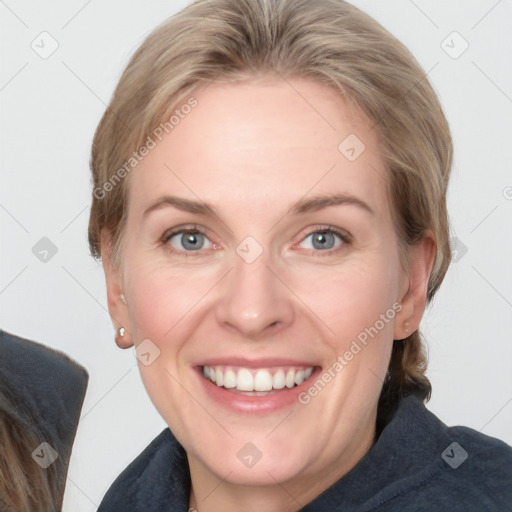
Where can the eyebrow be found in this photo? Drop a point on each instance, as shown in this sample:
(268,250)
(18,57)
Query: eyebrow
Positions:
(300,207)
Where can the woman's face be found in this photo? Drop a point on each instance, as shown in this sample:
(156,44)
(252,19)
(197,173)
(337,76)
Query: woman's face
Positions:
(291,273)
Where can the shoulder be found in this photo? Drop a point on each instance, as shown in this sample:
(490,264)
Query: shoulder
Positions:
(46,383)
(157,480)
(34,359)
(457,469)
(42,392)
(477,469)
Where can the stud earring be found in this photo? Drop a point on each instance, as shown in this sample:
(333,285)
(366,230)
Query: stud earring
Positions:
(407,326)
(123,338)
(123,298)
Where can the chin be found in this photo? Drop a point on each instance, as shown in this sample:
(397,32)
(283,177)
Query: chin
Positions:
(266,471)
(253,460)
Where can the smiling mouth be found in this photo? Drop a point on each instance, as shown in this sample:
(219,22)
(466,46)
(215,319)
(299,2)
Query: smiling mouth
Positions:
(257,382)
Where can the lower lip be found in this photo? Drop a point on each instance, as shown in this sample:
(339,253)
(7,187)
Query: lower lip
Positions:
(274,401)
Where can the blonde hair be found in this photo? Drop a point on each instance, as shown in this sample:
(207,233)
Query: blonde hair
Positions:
(329,41)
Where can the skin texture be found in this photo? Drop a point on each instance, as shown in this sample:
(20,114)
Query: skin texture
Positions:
(251,149)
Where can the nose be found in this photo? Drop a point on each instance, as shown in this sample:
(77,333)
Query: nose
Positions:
(255,300)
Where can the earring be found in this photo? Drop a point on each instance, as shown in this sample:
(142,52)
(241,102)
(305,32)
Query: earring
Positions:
(123,298)
(123,338)
(406,327)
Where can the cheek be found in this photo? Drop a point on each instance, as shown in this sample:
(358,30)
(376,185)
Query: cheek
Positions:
(162,303)
(358,304)
(354,298)
(359,307)
(161,298)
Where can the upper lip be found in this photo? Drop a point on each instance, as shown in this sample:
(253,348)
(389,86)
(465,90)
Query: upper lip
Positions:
(267,362)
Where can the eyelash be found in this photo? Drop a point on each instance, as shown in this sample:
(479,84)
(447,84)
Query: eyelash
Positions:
(344,236)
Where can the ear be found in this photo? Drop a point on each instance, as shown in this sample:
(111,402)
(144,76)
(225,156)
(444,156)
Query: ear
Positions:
(415,286)
(117,305)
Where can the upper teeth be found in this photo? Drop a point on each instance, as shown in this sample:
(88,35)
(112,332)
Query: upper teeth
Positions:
(245,379)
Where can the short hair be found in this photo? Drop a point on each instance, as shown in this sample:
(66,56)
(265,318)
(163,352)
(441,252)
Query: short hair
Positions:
(328,41)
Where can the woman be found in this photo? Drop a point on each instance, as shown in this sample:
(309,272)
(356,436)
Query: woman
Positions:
(41,395)
(269,205)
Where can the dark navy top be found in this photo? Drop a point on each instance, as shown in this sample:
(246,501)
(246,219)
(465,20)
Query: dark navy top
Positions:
(47,390)
(417,464)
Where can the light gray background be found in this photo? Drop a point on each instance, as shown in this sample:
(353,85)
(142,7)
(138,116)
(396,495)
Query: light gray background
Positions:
(49,110)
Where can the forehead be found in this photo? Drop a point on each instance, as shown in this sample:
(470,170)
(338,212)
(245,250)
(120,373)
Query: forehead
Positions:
(263,141)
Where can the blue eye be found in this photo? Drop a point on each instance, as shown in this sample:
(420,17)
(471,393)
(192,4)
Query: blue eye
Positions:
(323,240)
(190,240)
